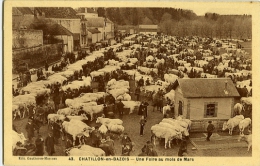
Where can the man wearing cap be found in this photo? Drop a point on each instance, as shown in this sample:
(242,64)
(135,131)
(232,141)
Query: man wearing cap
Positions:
(30,129)
(210,129)
(49,144)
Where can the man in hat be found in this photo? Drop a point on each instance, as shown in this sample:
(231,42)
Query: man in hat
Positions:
(39,145)
(210,129)
(30,130)
(126,140)
(49,144)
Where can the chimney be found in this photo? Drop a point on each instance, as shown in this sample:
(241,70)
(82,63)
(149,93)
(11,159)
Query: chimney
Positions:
(225,90)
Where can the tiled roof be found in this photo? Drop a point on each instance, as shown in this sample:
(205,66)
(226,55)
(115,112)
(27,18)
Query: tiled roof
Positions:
(24,10)
(207,87)
(58,12)
(57,29)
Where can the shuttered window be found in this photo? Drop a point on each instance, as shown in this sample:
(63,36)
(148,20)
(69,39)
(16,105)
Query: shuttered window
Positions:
(210,109)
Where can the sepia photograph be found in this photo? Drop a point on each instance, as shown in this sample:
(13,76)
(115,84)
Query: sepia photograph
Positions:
(93,83)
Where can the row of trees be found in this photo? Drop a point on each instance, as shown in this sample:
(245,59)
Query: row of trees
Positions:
(239,27)
(182,22)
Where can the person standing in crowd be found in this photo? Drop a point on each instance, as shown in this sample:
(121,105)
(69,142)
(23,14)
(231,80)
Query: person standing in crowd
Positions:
(105,147)
(142,124)
(120,108)
(137,93)
(30,130)
(141,110)
(111,145)
(210,129)
(31,110)
(183,148)
(49,144)
(46,66)
(95,137)
(151,151)
(56,100)
(146,147)
(56,131)
(39,145)
(145,105)
(126,141)
(143,152)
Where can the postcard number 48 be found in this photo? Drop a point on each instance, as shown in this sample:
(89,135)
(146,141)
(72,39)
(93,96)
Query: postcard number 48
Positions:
(71,158)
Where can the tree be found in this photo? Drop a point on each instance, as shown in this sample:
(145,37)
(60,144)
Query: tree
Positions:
(101,12)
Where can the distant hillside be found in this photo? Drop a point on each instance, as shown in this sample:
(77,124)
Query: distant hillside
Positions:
(135,16)
(182,22)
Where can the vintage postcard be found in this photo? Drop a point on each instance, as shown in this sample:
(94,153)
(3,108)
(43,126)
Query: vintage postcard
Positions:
(123,83)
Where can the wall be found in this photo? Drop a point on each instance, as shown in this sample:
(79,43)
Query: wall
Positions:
(93,38)
(179,97)
(109,30)
(36,55)
(67,43)
(73,25)
(224,110)
(26,38)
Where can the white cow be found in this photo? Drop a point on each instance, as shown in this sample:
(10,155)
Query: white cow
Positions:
(248,139)
(243,124)
(232,123)
(17,138)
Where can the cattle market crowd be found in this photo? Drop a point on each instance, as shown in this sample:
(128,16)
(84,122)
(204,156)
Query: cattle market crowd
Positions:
(85,98)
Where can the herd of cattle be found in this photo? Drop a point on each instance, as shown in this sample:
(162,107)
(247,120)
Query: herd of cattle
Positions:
(159,61)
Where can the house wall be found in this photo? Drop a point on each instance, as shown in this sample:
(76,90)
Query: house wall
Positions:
(93,37)
(26,38)
(179,97)
(73,25)
(67,43)
(224,109)
(109,30)
(193,109)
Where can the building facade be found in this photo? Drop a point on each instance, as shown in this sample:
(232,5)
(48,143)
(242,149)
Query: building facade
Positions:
(202,100)
(148,29)
(66,17)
